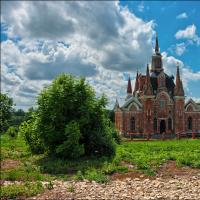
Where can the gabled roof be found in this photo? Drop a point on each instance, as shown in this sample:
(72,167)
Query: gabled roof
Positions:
(131,100)
(193,103)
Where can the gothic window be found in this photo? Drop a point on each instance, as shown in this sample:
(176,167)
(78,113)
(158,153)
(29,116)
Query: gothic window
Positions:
(155,124)
(162,104)
(170,123)
(132,124)
(190,123)
(162,84)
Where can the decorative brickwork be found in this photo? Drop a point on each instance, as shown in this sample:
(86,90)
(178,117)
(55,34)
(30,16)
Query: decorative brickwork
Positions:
(157,104)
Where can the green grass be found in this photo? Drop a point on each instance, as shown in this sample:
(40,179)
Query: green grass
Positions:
(24,190)
(147,157)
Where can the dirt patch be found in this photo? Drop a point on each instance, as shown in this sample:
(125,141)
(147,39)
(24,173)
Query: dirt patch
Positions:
(9,164)
(133,174)
(170,170)
(167,170)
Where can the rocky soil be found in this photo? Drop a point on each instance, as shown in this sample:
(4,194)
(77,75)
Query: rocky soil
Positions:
(170,183)
(159,188)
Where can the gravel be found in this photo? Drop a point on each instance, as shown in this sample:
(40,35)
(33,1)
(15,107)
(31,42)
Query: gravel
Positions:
(183,188)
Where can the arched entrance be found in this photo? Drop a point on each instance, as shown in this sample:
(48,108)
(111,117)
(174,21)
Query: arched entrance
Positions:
(162,126)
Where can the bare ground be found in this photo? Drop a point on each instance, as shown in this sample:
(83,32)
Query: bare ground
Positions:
(171,182)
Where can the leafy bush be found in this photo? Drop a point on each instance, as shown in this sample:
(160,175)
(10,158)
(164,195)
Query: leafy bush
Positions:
(6,104)
(71,147)
(12,132)
(70,121)
(28,129)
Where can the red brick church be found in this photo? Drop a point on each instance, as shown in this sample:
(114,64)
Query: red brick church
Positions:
(156,104)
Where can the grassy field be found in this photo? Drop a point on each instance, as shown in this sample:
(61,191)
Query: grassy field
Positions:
(146,157)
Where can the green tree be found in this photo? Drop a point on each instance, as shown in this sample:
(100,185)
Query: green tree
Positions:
(6,104)
(71,147)
(70,99)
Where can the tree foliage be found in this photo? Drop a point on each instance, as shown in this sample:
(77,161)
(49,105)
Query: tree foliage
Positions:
(6,104)
(71,147)
(28,129)
(69,115)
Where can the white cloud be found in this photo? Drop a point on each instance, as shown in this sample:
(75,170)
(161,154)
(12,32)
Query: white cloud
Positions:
(188,33)
(141,7)
(75,37)
(187,74)
(182,16)
(111,36)
(180,48)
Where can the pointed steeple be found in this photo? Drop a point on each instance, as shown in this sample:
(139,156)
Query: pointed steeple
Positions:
(178,90)
(116,106)
(156,46)
(156,61)
(129,87)
(148,87)
(136,84)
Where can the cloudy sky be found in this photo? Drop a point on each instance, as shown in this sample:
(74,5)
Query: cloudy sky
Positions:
(102,41)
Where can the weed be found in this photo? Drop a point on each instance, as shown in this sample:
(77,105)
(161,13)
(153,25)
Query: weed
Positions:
(71,188)
(96,175)
(27,189)
(49,185)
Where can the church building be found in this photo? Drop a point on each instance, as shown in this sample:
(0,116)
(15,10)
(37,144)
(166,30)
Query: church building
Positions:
(156,104)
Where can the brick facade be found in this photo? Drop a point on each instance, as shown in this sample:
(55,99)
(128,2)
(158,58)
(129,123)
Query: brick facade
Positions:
(157,104)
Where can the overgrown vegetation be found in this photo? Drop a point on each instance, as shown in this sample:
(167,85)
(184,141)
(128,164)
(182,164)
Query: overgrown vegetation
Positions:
(70,121)
(16,190)
(6,109)
(144,156)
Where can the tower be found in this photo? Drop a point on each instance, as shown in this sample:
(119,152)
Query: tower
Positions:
(147,101)
(156,63)
(179,102)
(136,84)
(129,89)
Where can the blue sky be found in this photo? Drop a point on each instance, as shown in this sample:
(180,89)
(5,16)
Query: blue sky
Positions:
(164,14)
(103,41)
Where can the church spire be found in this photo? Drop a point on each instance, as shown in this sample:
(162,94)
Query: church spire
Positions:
(148,87)
(156,46)
(178,90)
(129,87)
(116,106)
(136,84)
(156,61)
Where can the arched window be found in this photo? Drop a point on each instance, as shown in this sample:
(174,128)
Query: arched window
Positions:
(132,124)
(162,104)
(155,124)
(190,123)
(162,83)
(170,123)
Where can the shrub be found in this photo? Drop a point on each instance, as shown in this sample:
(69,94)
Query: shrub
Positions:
(71,147)
(70,121)
(28,129)
(6,104)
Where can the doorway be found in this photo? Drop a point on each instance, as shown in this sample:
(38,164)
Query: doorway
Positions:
(162,126)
